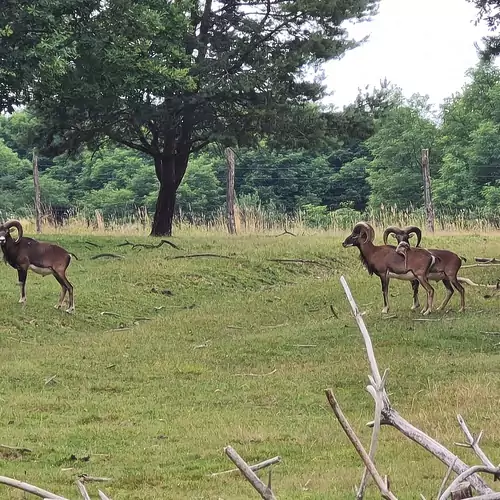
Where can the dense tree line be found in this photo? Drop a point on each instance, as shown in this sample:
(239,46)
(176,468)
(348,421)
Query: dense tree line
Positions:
(371,160)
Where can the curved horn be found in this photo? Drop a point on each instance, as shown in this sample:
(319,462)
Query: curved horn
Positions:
(414,229)
(17,225)
(370,232)
(391,230)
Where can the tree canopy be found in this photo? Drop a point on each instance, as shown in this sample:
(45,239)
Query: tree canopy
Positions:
(168,78)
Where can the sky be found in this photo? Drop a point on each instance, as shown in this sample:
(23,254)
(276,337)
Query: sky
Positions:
(422,46)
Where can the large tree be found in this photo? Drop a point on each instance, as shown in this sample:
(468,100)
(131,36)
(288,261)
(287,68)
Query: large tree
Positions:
(489,12)
(168,77)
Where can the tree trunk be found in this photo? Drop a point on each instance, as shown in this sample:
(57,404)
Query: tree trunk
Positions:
(164,213)
(170,169)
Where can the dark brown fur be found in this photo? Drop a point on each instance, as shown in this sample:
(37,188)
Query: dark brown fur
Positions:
(43,258)
(447,263)
(383,260)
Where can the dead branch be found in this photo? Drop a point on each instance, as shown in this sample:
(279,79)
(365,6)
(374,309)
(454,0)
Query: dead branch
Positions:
(162,242)
(285,232)
(29,488)
(473,442)
(193,255)
(300,261)
(264,491)
(102,496)
(255,467)
(15,448)
(86,477)
(466,474)
(391,417)
(92,244)
(83,490)
(487,260)
(445,479)
(381,484)
(490,264)
(113,255)
(376,387)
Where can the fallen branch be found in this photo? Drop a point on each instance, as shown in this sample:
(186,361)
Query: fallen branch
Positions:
(466,474)
(256,467)
(192,255)
(473,442)
(148,245)
(487,260)
(381,484)
(86,477)
(461,279)
(92,244)
(15,448)
(301,261)
(102,496)
(83,490)
(491,264)
(391,417)
(29,488)
(265,491)
(285,232)
(113,255)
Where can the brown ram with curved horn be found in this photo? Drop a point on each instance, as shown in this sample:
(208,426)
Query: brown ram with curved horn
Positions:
(445,269)
(403,234)
(42,258)
(386,263)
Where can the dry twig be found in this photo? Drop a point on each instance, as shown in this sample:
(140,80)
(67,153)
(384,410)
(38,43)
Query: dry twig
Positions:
(381,484)
(255,467)
(113,255)
(83,490)
(473,442)
(29,488)
(301,261)
(15,448)
(265,491)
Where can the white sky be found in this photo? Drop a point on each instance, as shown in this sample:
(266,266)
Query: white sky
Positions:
(422,46)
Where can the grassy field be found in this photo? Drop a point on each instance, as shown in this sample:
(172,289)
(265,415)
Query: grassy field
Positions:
(150,393)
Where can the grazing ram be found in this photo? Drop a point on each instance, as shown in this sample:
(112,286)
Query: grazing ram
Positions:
(42,258)
(386,263)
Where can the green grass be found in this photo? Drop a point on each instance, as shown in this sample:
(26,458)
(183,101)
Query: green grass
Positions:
(154,394)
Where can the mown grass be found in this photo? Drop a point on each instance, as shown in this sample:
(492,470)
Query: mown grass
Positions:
(150,394)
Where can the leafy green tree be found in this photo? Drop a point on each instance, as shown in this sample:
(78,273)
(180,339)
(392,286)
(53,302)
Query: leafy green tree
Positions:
(286,179)
(470,141)
(394,174)
(489,11)
(13,171)
(201,192)
(349,186)
(168,78)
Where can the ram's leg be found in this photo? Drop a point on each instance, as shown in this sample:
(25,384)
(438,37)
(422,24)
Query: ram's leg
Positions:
(384,280)
(60,276)
(416,303)
(430,295)
(22,275)
(449,293)
(62,295)
(461,291)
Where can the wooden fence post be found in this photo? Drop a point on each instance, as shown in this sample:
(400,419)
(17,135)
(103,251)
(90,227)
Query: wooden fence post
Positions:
(38,204)
(230,195)
(429,208)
